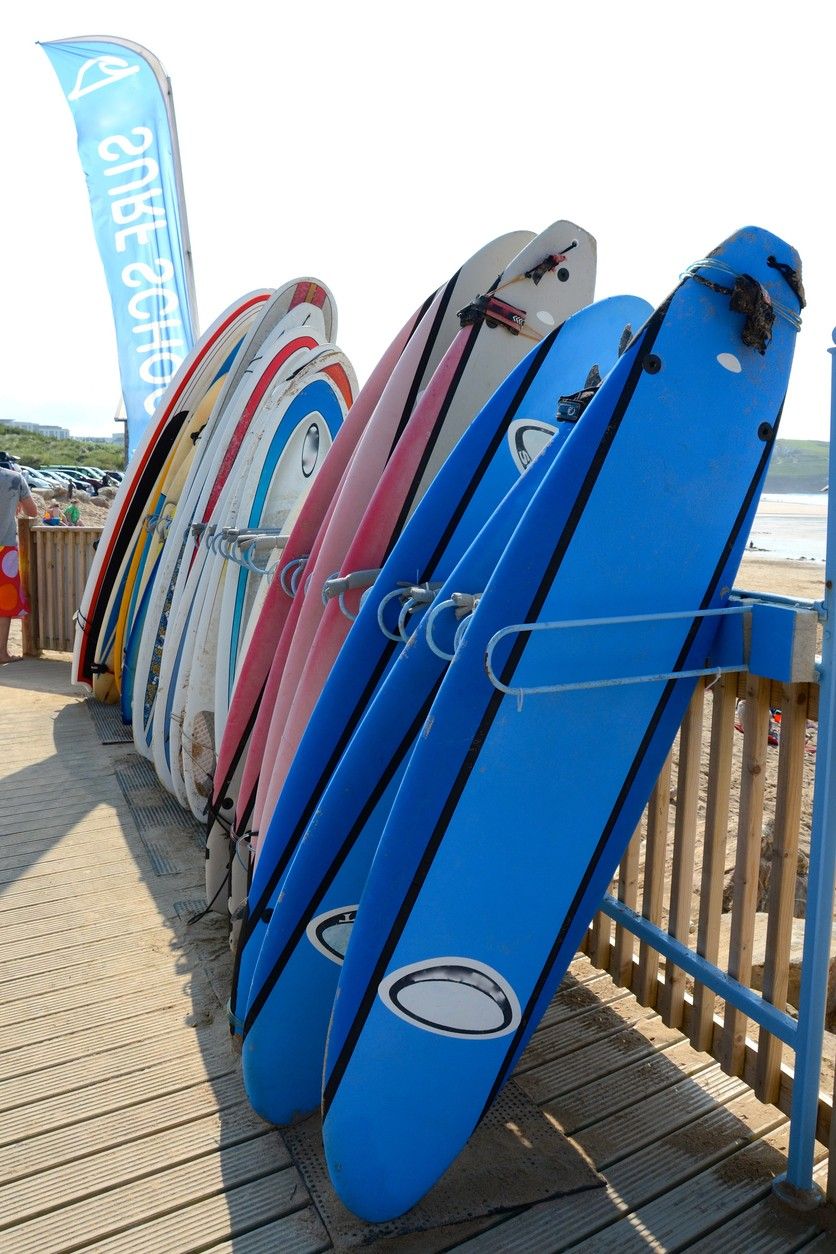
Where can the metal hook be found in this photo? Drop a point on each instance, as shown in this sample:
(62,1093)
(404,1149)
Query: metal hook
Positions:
(430,623)
(337,585)
(390,596)
(618,620)
(247,557)
(297,575)
(294,570)
(326,593)
(406,609)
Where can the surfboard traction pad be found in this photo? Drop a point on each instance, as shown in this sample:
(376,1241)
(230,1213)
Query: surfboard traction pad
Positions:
(160,820)
(515,1158)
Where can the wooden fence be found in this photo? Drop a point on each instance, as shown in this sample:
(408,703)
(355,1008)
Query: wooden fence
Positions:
(55,562)
(717,862)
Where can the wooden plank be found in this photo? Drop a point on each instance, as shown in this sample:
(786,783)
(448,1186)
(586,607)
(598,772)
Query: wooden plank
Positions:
(42,1018)
(616,1136)
(578,1031)
(714,851)
(782,881)
(59,1113)
(747,863)
(769,1227)
(54,888)
(628,887)
(29,1159)
(44,1043)
(111,1219)
(599,941)
(160,1038)
(561,1075)
(87,1049)
(98,951)
(717,1193)
(113,1166)
(90,861)
(202,1225)
(300,1233)
(28,576)
(43,590)
(684,843)
(605,1094)
(575,998)
(656,845)
(60,588)
(671,1162)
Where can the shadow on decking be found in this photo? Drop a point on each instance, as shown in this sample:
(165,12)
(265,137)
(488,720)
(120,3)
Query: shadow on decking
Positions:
(661,1121)
(101,1068)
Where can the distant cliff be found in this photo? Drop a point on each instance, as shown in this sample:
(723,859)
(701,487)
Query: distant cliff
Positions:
(798,466)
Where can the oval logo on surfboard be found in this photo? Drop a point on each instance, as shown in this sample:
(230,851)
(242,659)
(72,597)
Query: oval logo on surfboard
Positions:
(527,438)
(330,932)
(458,997)
(310,449)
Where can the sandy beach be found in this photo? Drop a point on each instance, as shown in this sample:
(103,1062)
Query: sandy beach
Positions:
(782,577)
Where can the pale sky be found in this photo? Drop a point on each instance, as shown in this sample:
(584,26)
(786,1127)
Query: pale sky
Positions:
(376,146)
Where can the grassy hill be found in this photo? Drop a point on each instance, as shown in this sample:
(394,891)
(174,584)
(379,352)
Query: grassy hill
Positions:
(798,466)
(43,450)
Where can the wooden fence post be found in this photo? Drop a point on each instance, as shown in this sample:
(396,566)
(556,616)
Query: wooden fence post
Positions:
(29,583)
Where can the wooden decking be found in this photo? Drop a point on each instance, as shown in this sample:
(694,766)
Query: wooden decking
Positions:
(124,1125)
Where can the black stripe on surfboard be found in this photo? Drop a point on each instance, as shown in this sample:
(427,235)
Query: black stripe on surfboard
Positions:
(415,386)
(254,913)
(251,720)
(634,769)
(243,741)
(436,431)
(643,344)
(137,507)
(356,714)
(384,779)
(537,358)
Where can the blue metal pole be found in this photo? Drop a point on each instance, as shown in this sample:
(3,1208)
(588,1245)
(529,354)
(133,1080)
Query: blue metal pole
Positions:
(797,1186)
(778,1022)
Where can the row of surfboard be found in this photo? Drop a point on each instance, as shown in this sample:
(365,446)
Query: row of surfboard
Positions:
(417,652)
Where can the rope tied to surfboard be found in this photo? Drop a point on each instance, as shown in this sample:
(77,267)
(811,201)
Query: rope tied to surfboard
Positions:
(750,298)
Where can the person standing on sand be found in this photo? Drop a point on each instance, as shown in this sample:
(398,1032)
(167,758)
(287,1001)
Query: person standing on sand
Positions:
(15,498)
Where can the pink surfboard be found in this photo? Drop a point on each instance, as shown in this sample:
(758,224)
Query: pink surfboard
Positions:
(242,733)
(481,356)
(413,374)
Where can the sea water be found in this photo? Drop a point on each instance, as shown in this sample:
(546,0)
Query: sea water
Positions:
(790,525)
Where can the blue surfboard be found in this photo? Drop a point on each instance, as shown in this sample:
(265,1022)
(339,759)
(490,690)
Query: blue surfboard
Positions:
(484,465)
(535,760)
(295,977)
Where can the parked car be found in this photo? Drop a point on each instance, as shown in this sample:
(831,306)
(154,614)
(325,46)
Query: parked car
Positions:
(92,476)
(78,478)
(36,481)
